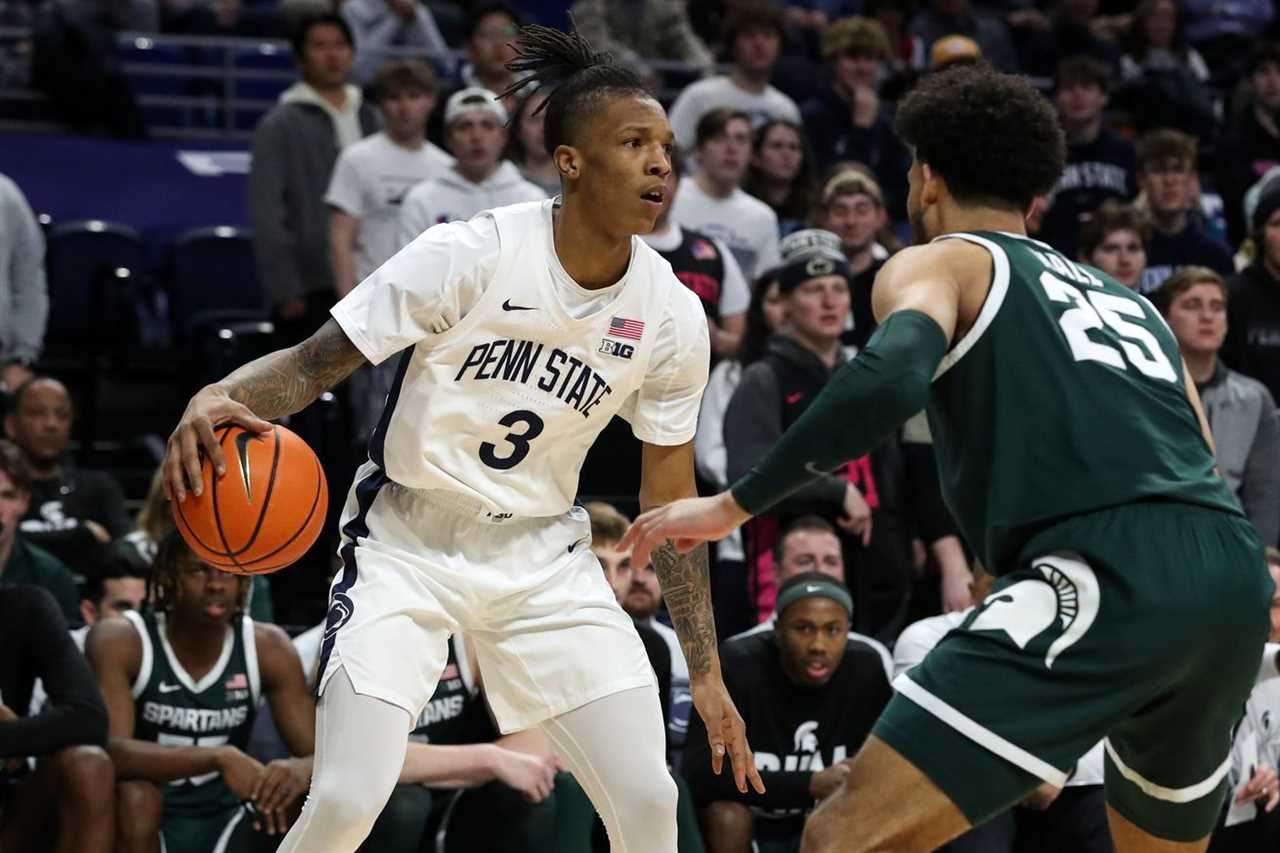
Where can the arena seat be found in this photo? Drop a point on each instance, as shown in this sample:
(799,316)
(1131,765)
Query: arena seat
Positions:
(213,271)
(87,262)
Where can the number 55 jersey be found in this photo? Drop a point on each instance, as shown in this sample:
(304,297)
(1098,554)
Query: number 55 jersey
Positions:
(1066,396)
(508,369)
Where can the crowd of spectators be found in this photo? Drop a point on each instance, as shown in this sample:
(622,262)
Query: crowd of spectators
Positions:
(787,195)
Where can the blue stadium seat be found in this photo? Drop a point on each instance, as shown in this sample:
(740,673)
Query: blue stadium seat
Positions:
(86,261)
(222,342)
(214,274)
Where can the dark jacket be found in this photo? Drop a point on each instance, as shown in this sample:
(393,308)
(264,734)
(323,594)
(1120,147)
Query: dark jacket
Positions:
(59,508)
(1095,172)
(31,566)
(1244,155)
(1253,326)
(834,137)
(37,644)
(795,731)
(294,149)
(1192,246)
(759,413)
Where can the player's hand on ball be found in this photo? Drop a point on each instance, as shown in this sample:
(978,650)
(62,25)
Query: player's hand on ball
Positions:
(726,732)
(211,407)
(531,775)
(686,522)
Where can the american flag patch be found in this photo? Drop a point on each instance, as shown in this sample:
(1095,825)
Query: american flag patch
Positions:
(702,251)
(237,682)
(620,327)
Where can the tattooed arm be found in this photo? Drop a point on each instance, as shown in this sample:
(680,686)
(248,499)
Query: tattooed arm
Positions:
(278,384)
(667,475)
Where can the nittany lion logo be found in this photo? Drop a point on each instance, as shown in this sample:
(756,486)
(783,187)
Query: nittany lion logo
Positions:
(806,737)
(340,610)
(1068,597)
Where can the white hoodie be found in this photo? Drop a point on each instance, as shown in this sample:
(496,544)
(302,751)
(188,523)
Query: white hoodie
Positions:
(449,196)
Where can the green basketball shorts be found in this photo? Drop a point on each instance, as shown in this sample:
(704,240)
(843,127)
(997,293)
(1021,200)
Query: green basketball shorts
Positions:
(229,831)
(1140,626)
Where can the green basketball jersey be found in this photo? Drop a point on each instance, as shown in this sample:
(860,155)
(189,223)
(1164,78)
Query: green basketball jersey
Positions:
(172,708)
(1066,396)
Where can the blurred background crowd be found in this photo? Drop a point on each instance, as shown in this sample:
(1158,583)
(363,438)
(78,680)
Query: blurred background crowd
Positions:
(187,184)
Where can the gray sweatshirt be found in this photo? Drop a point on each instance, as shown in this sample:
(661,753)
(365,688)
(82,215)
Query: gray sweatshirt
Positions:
(1246,430)
(24,294)
(377,28)
(294,149)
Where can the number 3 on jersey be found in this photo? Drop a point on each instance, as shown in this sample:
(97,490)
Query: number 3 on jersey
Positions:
(519,441)
(1138,345)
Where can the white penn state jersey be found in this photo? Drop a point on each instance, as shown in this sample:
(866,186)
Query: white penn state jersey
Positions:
(500,388)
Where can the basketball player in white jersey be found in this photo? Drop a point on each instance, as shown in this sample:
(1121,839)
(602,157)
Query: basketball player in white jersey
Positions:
(521,333)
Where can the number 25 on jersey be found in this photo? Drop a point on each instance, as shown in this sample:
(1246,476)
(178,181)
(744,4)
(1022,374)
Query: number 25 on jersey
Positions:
(1137,347)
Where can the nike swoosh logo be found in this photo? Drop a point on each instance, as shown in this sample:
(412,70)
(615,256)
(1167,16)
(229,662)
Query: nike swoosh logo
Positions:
(169,688)
(579,542)
(507,306)
(815,470)
(242,453)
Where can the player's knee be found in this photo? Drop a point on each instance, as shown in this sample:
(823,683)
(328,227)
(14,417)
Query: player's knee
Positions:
(728,827)
(86,777)
(341,804)
(650,800)
(139,808)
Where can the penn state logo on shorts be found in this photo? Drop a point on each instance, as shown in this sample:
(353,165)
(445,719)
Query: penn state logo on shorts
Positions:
(1066,597)
(340,610)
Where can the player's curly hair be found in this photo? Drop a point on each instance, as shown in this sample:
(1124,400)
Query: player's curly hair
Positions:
(991,136)
(577,78)
(173,556)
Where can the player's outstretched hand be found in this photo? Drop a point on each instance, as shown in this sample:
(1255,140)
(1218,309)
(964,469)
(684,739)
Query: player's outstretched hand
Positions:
(208,409)
(532,775)
(726,732)
(686,522)
(276,790)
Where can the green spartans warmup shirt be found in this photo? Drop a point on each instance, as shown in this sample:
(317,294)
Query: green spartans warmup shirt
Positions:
(172,708)
(1065,397)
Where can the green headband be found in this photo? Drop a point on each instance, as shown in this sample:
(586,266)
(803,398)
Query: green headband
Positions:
(815,589)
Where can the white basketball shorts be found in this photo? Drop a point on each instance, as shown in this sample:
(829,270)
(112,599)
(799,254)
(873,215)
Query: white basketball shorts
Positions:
(420,565)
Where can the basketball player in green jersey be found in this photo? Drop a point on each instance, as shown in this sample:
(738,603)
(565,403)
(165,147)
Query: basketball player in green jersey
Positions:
(182,684)
(1132,598)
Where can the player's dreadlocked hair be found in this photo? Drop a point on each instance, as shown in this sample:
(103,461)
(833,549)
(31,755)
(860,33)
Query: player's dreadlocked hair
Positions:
(172,558)
(576,77)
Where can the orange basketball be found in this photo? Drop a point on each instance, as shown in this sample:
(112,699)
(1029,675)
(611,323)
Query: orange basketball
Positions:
(265,512)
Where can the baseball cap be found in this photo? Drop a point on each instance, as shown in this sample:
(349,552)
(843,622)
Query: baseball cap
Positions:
(470,99)
(953,48)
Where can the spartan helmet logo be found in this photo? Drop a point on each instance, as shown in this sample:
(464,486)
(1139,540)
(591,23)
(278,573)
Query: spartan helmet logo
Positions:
(1068,596)
(806,737)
